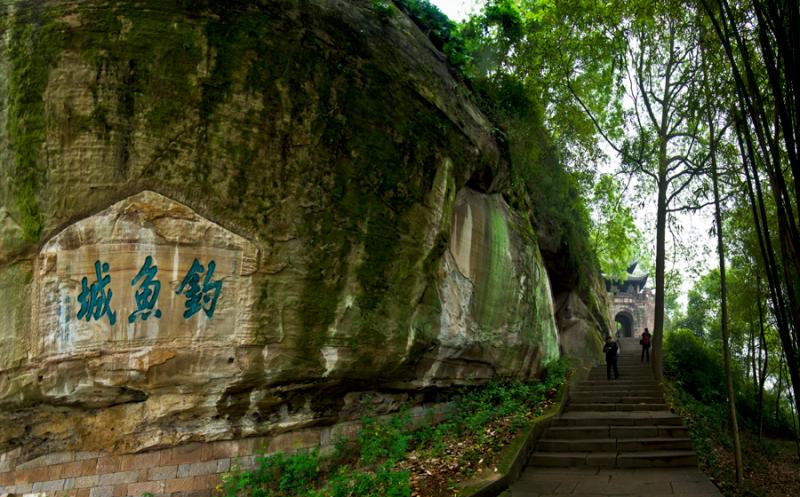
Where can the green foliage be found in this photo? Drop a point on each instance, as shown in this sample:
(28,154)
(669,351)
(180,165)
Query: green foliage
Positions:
(702,310)
(442,32)
(708,426)
(383,8)
(364,466)
(500,44)
(380,441)
(485,49)
(613,234)
(695,366)
(778,418)
(475,408)
(707,423)
(384,481)
(274,475)
(489,38)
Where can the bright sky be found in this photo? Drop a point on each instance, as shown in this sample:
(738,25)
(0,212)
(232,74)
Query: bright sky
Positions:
(458,10)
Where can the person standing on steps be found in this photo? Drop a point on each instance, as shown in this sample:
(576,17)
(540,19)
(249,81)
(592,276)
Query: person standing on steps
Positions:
(645,343)
(610,348)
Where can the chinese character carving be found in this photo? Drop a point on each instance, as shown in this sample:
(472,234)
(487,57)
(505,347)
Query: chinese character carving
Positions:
(95,300)
(147,293)
(200,297)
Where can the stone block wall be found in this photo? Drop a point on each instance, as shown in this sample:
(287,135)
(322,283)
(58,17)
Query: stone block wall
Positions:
(188,470)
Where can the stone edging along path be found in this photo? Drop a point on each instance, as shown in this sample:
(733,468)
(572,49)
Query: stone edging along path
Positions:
(513,459)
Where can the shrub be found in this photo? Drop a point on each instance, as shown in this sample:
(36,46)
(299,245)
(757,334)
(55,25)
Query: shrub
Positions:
(695,366)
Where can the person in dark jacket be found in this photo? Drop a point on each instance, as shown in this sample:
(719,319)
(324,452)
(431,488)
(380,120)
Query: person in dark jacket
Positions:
(645,343)
(610,349)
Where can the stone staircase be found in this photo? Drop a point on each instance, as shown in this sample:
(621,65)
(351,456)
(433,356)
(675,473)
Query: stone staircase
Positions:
(622,423)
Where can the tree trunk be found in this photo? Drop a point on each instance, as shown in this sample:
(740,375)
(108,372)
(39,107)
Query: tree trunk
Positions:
(763,349)
(760,219)
(658,320)
(778,394)
(726,352)
(753,369)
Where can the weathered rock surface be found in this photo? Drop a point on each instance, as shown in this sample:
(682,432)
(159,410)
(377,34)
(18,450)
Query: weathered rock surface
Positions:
(316,152)
(580,330)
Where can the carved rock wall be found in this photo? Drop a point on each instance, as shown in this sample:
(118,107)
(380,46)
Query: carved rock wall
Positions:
(316,152)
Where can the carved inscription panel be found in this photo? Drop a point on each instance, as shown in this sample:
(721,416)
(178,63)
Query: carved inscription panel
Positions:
(146,271)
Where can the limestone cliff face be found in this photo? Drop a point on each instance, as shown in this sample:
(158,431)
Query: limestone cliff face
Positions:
(221,219)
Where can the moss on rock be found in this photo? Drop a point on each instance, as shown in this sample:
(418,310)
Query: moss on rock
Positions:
(333,139)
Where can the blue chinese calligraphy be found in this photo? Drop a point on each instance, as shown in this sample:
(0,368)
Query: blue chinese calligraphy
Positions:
(198,286)
(95,300)
(147,293)
(200,297)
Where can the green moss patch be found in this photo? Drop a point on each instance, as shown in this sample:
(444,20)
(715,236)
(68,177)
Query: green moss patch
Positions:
(35,42)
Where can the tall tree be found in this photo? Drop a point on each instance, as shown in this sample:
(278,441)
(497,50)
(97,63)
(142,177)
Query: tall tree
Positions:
(713,140)
(761,40)
(665,87)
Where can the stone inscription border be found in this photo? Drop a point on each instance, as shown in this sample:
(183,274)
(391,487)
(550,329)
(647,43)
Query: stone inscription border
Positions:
(145,271)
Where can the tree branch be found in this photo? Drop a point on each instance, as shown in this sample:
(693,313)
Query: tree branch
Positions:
(594,121)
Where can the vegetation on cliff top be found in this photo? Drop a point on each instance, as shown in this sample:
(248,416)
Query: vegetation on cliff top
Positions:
(550,179)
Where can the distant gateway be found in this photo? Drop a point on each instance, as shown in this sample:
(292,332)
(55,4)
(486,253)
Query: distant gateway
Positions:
(632,305)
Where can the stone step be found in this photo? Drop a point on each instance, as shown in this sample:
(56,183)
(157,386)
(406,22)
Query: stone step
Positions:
(622,381)
(651,444)
(618,418)
(611,444)
(611,391)
(637,382)
(630,372)
(608,407)
(657,459)
(610,459)
(633,388)
(615,432)
(633,366)
(616,398)
(631,383)
(656,431)
(623,375)
(577,445)
(572,459)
